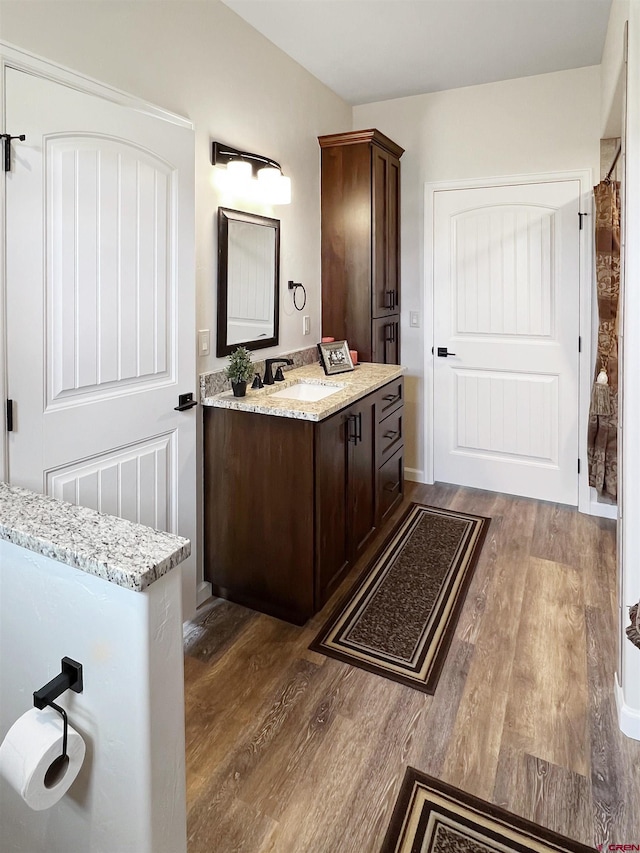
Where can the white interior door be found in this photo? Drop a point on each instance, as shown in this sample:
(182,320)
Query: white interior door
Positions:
(101,306)
(506,309)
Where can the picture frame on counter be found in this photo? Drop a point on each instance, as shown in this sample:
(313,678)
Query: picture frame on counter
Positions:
(335,357)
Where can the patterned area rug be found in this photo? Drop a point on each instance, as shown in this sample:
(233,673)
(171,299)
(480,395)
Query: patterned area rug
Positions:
(432,817)
(400,620)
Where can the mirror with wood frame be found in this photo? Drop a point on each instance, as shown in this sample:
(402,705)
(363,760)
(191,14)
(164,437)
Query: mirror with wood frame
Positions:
(248,281)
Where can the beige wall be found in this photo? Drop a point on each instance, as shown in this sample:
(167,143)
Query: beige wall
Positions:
(611,69)
(202,61)
(546,123)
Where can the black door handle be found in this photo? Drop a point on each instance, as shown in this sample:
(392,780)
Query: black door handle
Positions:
(185,401)
(443,352)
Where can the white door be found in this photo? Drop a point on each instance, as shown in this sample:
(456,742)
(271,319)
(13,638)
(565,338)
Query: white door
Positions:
(506,309)
(100,306)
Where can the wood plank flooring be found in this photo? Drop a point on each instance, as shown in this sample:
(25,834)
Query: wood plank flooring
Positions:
(291,752)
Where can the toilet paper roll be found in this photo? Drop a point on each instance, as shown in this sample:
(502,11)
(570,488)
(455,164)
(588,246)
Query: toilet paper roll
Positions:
(30,758)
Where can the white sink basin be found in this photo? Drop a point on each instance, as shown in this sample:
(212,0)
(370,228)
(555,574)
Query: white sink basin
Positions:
(310,392)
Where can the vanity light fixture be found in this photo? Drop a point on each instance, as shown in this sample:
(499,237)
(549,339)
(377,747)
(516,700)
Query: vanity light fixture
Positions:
(270,186)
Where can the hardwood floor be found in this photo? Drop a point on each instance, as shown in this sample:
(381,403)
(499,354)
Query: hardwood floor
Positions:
(291,752)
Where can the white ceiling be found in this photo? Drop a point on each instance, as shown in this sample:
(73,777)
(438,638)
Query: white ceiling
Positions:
(372,50)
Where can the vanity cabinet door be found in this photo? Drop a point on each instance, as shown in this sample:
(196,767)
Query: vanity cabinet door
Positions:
(390,485)
(361,476)
(345,493)
(332,508)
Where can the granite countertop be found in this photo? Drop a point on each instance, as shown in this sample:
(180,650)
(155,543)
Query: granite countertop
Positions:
(351,387)
(122,552)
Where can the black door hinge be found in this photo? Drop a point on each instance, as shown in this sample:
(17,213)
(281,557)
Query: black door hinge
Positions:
(6,141)
(578,466)
(580,215)
(579,343)
(9,415)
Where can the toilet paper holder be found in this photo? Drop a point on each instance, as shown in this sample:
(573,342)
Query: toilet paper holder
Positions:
(70,678)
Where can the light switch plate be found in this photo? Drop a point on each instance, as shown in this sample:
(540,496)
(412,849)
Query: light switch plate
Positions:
(306,325)
(414,319)
(204,342)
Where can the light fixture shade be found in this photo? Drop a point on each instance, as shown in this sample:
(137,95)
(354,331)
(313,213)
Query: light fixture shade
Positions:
(282,191)
(269,176)
(271,187)
(274,187)
(239,172)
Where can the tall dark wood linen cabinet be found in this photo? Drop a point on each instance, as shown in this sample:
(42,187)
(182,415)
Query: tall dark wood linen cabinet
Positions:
(360,198)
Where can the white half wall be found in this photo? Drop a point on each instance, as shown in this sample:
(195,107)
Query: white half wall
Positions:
(546,123)
(130,795)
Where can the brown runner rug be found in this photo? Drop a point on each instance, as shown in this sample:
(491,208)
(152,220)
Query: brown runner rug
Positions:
(400,620)
(433,817)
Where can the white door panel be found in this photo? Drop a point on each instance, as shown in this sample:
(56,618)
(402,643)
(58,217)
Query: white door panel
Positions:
(101,306)
(109,226)
(131,483)
(506,307)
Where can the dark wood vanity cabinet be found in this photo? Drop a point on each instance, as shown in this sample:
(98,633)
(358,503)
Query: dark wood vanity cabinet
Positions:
(290,505)
(360,193)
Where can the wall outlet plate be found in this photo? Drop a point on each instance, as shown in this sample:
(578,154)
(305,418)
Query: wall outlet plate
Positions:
(306,325)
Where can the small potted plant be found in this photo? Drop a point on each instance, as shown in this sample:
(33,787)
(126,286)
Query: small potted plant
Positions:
(239,370)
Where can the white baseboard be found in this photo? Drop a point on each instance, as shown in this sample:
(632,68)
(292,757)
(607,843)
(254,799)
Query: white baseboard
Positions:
(414,475)
(628,718)
(603,510)
(203,593)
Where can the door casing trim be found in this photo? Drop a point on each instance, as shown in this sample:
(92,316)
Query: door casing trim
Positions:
(585,263)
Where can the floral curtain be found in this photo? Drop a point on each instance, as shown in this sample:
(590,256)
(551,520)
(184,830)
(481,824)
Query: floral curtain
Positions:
(603,415)
(633,631)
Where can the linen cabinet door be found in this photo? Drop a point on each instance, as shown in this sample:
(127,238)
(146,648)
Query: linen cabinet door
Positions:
(393,232)
(382,292)
(385,197)
(385,333)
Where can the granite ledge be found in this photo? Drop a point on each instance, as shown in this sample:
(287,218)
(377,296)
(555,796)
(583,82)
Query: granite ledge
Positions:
(354,385)
(122,552)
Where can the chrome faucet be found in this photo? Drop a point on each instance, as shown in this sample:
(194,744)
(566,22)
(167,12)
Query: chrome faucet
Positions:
(268,373)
